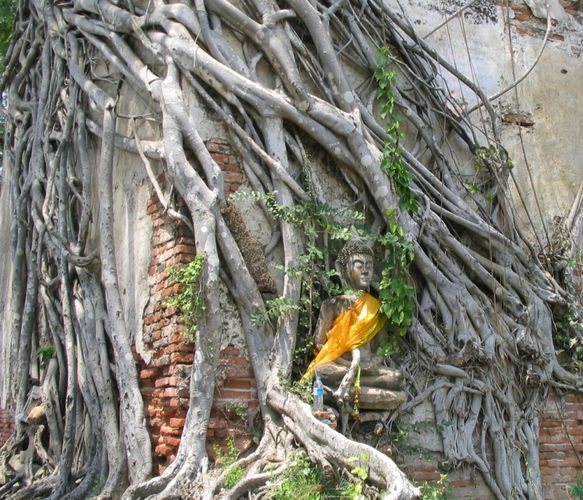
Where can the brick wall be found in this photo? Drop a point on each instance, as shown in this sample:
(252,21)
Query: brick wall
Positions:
(6,425)
(164,380)
(235,405)
(561,445)
(561,455)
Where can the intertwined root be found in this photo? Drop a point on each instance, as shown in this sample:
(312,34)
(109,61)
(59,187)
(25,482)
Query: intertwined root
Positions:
(482,331)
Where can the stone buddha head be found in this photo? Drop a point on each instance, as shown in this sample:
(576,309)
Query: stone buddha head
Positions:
(355,264)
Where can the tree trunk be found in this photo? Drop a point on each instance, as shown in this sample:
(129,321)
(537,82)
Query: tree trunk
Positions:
(281,80)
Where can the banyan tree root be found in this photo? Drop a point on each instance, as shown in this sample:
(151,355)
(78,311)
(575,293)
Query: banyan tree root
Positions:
(483,328)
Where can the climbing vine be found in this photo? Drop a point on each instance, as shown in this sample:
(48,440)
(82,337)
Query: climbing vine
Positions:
(396,293)
(392,161)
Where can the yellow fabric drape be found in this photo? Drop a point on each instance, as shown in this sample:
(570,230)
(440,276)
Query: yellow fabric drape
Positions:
(350,330)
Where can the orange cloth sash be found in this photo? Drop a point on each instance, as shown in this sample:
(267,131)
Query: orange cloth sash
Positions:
(350,330)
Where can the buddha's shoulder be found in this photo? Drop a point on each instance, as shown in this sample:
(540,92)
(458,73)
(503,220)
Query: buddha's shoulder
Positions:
(338,302)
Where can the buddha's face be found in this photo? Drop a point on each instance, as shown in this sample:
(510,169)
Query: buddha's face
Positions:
(360,268)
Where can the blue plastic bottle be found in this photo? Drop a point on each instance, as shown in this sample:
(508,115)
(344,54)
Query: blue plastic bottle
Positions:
(318,395)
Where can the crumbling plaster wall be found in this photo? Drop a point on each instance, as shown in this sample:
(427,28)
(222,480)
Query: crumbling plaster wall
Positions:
(478,44)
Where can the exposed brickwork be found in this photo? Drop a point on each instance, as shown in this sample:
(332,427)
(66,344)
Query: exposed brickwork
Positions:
(235,403)
(561,456)
(465,483)
(164,381)
(561,445)
(221,152)
(6,425)
(525,23)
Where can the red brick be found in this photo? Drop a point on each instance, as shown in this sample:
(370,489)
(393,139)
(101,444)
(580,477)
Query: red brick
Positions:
(153,409)
(162,236)
(230,351)
(161,382)
(423,467)
(170,441)
(556,437)
(238,361)
(236,394)
(177,357)
(185,249)
(231,165)
(576,432)
(546,447)
(148,373)
(171,392)
(550,423)
(569,472)
(162,449)
(242,383)
(425,476)
(217,423)
(233,177)
(169,430)
(217,145)
(178,348)
(178,403)
(179,370)
(177,422)
(238,372)
(161,361)
(463,483)
(171,310)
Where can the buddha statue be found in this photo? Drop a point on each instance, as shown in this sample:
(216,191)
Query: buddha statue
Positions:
(349,329)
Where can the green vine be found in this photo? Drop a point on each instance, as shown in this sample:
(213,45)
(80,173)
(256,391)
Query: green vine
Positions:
(577,490)
(396,293)
(189,299)
(392,161)
(8,10)
(436,490)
